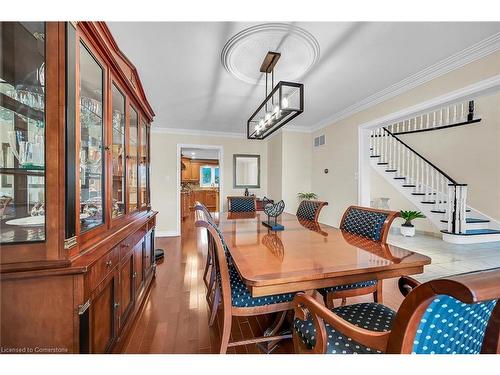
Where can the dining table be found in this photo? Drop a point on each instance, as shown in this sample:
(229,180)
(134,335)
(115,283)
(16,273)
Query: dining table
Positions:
(306,256)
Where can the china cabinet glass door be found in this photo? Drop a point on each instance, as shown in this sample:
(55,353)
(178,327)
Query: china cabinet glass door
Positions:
(132,157)
(118,153)
(143,166)
(22,131)
(91,141)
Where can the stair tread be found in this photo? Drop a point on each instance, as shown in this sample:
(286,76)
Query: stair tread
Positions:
(422,193)
(409,185)
(391,170)
(374,156)
(443,211)
(474,232)
(400,178)
(471,220)
(382,163)
(431,202)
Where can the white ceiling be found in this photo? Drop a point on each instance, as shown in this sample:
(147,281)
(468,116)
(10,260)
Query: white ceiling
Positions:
(180,66)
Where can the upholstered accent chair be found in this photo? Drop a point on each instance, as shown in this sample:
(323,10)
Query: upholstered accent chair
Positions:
(241,204)
(232,294)
(453,315)
(310,210)
(371,224)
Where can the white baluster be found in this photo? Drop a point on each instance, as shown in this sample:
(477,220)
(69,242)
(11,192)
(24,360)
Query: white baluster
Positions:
(463,208)
(449,211)
(426,198)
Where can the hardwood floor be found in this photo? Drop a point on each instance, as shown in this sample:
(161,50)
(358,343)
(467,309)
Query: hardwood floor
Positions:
(174,318)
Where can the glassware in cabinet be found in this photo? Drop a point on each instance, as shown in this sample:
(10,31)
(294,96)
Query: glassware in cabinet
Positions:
(22,131)
(143,164)
(91,141)
(132,158)
(118,153)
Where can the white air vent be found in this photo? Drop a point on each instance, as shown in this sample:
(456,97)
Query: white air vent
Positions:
(319,140)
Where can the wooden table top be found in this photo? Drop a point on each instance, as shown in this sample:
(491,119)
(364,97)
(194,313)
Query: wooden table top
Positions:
(308,256)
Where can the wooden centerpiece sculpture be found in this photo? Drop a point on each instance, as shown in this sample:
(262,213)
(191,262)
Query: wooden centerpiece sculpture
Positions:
(273,211)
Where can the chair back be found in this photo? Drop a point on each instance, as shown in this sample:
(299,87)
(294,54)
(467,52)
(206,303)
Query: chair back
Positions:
(310,210)
(201,206)
(454,315)
(241,204)
(220,255)
(368,222)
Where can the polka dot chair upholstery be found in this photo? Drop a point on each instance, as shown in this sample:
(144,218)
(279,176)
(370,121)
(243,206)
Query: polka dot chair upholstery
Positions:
(364,222)
(369,224)
(310,210)
(231,292)
(370,316)
(455,315)
(241,204)
(450,326)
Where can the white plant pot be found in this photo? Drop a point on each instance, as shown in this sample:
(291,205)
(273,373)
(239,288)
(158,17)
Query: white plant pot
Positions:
(407,231)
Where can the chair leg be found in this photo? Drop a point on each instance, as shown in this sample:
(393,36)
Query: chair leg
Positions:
(329,300)
(215,307)
(377,295)
(344,301)
(226,332)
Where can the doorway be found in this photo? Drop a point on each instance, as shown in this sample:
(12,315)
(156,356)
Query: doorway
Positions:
(199,179)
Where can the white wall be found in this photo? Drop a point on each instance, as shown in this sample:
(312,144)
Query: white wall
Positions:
(297,159)
(164,171)
(340,153)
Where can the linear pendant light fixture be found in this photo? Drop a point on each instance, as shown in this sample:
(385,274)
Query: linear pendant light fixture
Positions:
(281,105)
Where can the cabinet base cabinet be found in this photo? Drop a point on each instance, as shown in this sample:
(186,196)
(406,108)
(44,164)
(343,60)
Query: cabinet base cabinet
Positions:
(87,307)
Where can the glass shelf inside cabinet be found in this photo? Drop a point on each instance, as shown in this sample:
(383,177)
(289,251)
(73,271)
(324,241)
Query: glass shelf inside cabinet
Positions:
(91,141)
(118,153)
(133,152)
(22,132)
(143,166)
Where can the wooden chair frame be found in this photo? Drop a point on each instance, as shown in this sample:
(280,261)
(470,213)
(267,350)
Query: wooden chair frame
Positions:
(229,197)
(223,297)
(468,288)
(208,266)
(376,289)
(318,211)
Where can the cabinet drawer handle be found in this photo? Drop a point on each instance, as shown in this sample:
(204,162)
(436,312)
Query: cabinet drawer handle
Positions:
(109,263)
(134,275)
(117,304)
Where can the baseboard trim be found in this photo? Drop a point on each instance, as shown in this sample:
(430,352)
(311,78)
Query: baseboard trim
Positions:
(166,233)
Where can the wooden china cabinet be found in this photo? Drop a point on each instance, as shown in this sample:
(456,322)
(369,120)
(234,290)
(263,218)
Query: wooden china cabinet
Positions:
(77,228)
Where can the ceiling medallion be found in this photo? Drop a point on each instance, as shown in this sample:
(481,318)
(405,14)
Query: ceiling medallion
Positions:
(281,105)
(244,51)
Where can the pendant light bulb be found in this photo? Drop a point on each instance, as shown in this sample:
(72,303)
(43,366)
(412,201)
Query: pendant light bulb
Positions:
(284,102)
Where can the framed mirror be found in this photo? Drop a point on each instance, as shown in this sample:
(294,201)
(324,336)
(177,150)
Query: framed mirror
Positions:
(246,171)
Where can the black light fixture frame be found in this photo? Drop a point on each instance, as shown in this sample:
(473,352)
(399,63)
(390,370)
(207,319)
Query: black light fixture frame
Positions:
(251,133)
(288,114)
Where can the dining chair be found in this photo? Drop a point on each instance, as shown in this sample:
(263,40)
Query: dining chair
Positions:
(310,210)
(370,223)
(241,204)
(453,315)
(232,294)
(208,274)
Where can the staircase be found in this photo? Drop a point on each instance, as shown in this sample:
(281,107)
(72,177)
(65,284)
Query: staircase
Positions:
(441,199)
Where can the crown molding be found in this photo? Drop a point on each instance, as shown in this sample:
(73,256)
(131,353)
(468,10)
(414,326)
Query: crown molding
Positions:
(195,132)
(472,53)
(209,133)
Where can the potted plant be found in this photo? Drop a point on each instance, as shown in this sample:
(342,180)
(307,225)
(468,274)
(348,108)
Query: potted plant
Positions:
(307,196)
(407,228)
